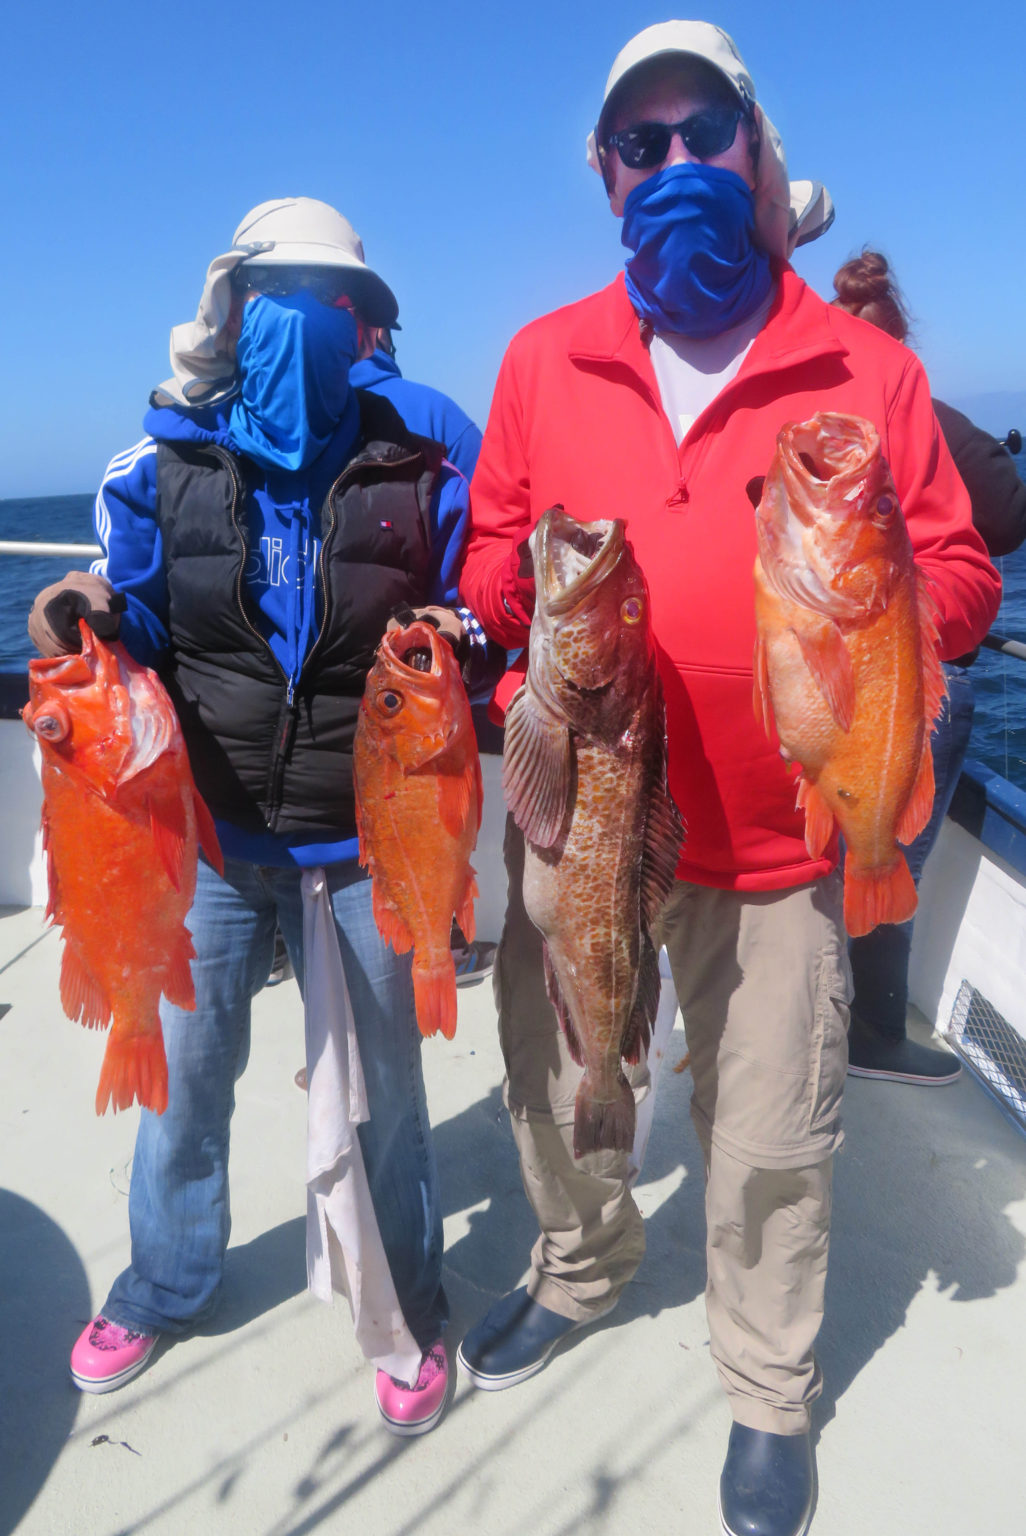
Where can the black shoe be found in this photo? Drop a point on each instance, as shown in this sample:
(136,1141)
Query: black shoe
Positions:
(514,1340)
(897,1061)
(473,962)
(766,1485)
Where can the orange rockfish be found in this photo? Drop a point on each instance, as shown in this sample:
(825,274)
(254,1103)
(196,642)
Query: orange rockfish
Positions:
(584,771)
(846,666)
(121,823)
(418,809)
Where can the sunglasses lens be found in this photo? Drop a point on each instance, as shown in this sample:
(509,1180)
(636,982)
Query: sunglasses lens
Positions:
(710,133)
(280,282)
(643,147)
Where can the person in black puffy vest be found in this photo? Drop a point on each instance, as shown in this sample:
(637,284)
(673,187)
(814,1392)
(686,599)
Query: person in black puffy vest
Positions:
(256,542)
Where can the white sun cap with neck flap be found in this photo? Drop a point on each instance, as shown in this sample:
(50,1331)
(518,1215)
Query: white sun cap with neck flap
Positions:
(286,231)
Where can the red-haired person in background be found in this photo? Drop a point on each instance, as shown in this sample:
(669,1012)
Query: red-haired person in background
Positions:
(877,1042)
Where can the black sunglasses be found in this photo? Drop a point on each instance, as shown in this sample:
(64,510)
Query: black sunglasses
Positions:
(328,284)
(706,134)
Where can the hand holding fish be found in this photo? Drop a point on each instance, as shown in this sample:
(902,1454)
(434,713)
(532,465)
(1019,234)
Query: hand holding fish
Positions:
(55,614)
(847,673)
(122,822)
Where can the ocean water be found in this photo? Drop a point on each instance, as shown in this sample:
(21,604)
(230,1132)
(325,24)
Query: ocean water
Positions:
(999,682)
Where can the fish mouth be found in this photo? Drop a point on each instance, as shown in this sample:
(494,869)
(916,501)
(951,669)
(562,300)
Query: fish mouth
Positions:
(573,558)
(825,462)
(819,481)
(415,651)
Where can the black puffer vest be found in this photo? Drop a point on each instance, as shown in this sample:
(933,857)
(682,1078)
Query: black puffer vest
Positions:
(260,761)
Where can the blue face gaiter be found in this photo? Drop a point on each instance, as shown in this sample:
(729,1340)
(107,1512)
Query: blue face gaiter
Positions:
(293,358)
(696,270)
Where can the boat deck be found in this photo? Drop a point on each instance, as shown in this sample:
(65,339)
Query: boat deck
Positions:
(264,1421)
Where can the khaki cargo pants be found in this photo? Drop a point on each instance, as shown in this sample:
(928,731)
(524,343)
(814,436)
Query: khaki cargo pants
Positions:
(764,985)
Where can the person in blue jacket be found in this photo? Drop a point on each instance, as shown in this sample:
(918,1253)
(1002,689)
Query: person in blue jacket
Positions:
(256,542)
(424,410)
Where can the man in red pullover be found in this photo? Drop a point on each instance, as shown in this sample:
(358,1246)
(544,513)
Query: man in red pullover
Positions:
(658,400)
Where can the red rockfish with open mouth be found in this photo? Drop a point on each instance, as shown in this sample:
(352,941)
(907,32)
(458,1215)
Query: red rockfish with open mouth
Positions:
(584,771)
(122,822)
(846,667)
(418,809)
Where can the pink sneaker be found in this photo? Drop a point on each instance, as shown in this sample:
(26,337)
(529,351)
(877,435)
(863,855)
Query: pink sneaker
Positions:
(414,1410)
(107,1355)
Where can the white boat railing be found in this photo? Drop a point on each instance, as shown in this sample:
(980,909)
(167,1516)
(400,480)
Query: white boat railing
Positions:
(34,547)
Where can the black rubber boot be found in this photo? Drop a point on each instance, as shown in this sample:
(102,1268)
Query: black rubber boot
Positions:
(897,1061)
(766,1487)
(513,1341)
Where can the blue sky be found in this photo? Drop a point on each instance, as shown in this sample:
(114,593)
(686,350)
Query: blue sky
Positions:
(452,136)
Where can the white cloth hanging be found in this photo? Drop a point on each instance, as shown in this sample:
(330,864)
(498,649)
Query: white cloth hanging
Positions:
(344,1251)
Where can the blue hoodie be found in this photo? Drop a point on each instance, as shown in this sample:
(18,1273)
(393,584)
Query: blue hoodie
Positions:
(284,542)
(425,411)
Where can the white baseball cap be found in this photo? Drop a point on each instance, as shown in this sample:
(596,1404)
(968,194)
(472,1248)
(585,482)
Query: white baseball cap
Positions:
(700,39)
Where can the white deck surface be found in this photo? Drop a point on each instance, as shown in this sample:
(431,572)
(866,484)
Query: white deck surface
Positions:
(264,1423)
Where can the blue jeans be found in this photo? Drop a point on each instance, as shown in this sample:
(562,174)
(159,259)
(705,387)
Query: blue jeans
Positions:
(879,960)
(179,1208)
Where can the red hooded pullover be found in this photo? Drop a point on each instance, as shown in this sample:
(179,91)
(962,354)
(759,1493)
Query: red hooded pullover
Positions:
(577,419)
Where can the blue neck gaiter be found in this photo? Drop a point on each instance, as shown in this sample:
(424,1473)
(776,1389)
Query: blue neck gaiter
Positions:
(696,270)
(293,359)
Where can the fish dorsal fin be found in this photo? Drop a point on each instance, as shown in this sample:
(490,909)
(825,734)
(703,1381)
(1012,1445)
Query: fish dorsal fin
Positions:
(178,985)
(664,839)
(81,994)
(465,910)
(919,807)
(169,830)
(826,656)
(920,802)
(390,925)
(934,686)
(819,819)
(638,1034)
(558,1002)
(206,832)
(536,769)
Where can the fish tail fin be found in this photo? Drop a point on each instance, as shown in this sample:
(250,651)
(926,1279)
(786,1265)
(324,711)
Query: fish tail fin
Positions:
(134,1067)
(604,1124)
(434,996)
(874,896)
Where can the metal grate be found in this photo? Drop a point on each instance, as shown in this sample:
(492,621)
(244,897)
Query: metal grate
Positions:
(991,1048)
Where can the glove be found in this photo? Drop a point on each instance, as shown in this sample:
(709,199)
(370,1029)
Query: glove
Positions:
(443,619)
(53,621)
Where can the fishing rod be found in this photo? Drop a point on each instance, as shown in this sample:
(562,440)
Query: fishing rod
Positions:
(1013,442)
(1015,648)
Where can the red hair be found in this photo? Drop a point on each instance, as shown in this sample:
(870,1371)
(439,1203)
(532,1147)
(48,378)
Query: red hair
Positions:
(866,288)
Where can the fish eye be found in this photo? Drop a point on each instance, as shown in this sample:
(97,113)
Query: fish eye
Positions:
(631,610)
(389,701)
(50,727)
(884,507)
